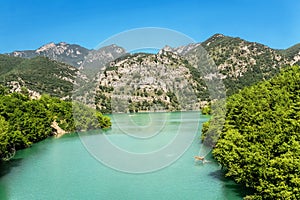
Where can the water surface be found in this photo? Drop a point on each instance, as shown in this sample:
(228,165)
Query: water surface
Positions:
(64,169)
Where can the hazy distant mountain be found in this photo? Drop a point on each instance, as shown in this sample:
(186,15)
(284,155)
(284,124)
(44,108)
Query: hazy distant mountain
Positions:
(72,54)
(96,60)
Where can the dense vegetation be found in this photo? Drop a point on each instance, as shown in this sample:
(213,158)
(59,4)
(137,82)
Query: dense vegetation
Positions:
(259,145)
(24,121)
(246,63)
(39,74)
(291,52)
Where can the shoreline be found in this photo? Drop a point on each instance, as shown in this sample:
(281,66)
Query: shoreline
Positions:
(59,132)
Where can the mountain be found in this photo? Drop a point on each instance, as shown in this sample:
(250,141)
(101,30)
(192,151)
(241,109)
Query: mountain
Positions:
(39,75)
(150,82)
(245,63)
(71,54)
(241,62)
(96,60)
(155,80)
(293,54)
(54,68)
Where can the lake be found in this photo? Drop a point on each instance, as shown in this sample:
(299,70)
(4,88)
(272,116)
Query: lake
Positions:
(76,167)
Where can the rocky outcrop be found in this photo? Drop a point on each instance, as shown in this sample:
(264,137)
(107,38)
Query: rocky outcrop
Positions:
(150,82)
(58,132)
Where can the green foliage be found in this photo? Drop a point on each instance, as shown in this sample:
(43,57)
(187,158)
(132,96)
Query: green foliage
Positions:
(212,129)
(38,74)
(200,87)
(87,118)
(3,90)
(260,142)
(7,63)
(28,122)
(245,67)
(4,139)
(24,121)
(111,68)
(206,110)
(291,52)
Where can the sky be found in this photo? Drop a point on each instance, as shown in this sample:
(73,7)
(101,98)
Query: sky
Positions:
(32,23)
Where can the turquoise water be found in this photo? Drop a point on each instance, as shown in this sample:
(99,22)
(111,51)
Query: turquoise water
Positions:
(64,169)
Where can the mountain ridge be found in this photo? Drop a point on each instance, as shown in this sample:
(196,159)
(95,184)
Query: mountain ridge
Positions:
(72,54)
(240,63)
(75,55)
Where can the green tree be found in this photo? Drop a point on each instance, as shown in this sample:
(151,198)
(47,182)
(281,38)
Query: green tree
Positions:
(24,121)
(259,145)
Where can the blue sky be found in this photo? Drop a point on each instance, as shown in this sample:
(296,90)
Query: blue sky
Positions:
(30,24)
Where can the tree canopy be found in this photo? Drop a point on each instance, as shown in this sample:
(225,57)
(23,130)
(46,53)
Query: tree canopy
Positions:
(24,121)
(259,145)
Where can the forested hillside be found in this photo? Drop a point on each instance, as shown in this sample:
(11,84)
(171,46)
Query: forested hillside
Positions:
(40,75)
(245,63)
(24,121)
(259,145)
